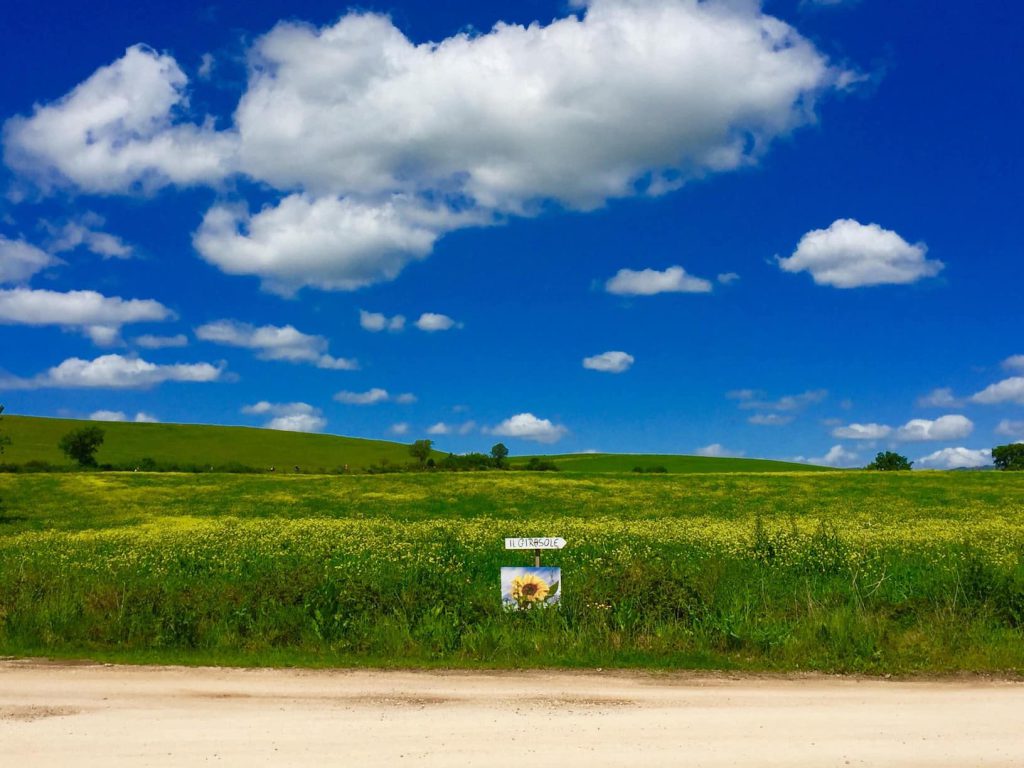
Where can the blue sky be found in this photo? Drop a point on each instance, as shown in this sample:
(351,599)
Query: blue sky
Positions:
(786,230)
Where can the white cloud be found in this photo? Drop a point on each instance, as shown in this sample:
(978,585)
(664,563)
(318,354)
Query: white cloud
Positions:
(206,64)
(149,341)
(289,417)
(719,451)
(754,400)
(528,427)
(431,321)
(356,122)
(1014,363)
(405,398)
(939,398)
(1010,428)
(950,427)
(331,243)
(849,255)
(1009,390)
(370,397)
(401,428)
(116,131)
(770,419)
(140,417)
(725,278)
(647,282)
(20,260)
(99,317)
(273,342)
(439,429)
(870,431)
(376,321)
(115,372)
(957,458)
(609,362)
(84,231)
(837,456)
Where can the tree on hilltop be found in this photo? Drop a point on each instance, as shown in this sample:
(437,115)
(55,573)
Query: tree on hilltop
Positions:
(890,461)
(499,453)
(421,449)
(82,444)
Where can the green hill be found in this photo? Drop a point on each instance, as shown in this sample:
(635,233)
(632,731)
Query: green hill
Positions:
(625,462)
(35,438)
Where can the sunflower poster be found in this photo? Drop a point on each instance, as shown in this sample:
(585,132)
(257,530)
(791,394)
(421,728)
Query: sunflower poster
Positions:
(524,588)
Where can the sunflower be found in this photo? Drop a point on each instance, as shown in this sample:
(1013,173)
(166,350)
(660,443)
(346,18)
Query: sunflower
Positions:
(529,588)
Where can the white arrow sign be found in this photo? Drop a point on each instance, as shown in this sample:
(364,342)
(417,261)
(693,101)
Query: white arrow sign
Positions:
(543,542)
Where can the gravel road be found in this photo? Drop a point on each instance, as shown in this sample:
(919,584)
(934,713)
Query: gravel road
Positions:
(54,714)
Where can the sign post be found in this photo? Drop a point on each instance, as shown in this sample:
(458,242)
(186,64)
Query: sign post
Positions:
(525,587)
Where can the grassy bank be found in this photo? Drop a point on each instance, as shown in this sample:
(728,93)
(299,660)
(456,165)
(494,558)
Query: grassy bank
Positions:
(835,572)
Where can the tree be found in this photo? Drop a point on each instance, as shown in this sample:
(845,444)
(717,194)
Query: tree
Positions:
(1009,457)
(4,439)
(890,461)
(82,444)
(499,453)
(420,450)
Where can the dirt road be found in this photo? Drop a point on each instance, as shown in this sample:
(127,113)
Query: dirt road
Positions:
(86,715)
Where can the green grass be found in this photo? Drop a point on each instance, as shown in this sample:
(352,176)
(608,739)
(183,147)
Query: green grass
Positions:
(625,462)
(842,572)
(35,439)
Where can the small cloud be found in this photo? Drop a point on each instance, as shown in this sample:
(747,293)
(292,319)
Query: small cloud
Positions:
(870,431)
(609,362)
(377,321)
(753,400)
(717,450)
(20,260)
(206,64)
(648,282)
(439,429)
(1009,428)
(431,322)
(950,427)
(725,278)
(107,416)
(957,458)
(145,418)
(401,428)
(288,417)
(271,342)
(941,397)
(406,398)
(837,456)
(370,397)
(84,232)
(769,420)
(1009,390)
(149,341)
(528,427)
(1014,363)
(852,255)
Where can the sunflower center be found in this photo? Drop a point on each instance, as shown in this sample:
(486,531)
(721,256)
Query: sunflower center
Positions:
(530,589)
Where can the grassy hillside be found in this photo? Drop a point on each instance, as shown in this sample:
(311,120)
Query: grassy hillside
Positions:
(624,462)
(35,438)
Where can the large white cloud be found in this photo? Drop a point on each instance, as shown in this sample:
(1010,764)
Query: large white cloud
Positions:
(1010,428)
(114,372)
(289,417)
(957,458)
(648,282)
(609,362)
(116,130)
(950,427)
(528,427)
(273,342)
(870,431)
(849,255)
(20,260)
(1009,390)
(358,127)
(98,316)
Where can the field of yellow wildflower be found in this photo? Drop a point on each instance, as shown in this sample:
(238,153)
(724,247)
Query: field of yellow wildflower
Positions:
(837,571)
